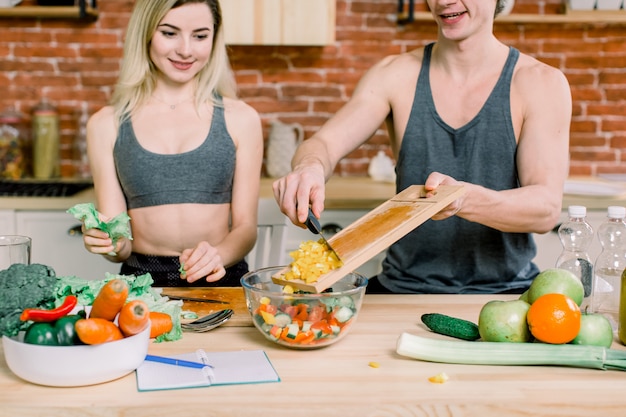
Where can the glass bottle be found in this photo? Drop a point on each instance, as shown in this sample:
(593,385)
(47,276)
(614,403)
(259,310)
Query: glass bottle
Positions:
(610,265)
(13,145)
(576,236)
(46,157)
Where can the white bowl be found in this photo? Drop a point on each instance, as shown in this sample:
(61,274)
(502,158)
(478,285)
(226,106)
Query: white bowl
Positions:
(73,366)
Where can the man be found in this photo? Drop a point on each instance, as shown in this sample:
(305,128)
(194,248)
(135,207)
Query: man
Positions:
(466,110)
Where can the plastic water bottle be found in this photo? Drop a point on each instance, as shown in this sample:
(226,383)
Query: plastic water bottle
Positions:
(610,265)
(576,236)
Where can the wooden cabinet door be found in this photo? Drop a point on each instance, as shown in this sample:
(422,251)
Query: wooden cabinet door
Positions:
(279,22)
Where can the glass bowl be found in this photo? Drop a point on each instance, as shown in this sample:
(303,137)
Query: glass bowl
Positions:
(302,320)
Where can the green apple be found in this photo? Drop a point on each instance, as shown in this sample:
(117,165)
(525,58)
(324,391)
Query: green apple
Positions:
(504,321)
(524,296)
(555,280)
(595,330)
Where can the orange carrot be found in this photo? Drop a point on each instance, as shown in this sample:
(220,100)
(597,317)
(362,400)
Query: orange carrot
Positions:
(109,300)
(134,317)
(96,331)
(160,323)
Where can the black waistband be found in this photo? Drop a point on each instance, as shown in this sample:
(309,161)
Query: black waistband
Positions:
(165,271)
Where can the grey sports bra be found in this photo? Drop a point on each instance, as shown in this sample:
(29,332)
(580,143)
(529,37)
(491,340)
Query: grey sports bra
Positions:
(203,175)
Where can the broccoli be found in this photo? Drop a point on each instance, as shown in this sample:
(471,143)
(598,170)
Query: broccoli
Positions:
(24,286)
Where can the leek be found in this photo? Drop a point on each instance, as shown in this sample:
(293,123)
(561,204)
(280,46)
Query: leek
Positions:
(507,353)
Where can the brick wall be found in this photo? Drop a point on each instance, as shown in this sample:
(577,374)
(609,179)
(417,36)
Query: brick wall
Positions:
(75,65)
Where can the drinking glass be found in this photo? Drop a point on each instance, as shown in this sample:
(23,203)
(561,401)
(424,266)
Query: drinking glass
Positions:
(14,249)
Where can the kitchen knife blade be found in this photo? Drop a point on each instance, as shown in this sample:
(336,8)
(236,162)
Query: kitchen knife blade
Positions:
(205,300)
(314,226)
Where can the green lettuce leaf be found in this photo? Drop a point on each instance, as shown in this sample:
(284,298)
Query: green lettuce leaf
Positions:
(117,227)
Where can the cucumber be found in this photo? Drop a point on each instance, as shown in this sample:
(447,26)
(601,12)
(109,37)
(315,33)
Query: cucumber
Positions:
(282,319)
(344,314)
(451,326)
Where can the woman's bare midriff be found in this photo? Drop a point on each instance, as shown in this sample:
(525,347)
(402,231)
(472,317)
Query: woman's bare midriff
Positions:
(168,230)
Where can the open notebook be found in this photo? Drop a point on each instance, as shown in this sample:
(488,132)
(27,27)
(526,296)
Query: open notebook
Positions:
(234,367)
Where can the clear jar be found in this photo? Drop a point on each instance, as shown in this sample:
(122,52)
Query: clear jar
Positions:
(14,149)
(46,141)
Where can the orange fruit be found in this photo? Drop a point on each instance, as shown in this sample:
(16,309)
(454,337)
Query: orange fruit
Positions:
(554,318)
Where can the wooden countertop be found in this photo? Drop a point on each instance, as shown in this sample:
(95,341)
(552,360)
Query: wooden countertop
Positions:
(337,381)
(349,193)
(341,193)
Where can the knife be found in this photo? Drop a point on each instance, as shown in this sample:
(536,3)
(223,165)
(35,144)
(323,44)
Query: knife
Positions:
(186,298)
(314,226)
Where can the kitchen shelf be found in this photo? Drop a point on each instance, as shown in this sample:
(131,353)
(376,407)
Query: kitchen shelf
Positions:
(571,16)
(87,13)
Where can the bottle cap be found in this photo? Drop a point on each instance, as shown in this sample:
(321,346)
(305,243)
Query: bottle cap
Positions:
(577,211)
(617,212)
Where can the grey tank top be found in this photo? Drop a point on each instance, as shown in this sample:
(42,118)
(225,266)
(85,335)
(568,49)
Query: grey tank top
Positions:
(203,175)
(455,255)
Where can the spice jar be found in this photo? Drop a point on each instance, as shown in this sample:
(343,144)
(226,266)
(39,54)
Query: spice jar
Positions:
(13,145)
(46,157)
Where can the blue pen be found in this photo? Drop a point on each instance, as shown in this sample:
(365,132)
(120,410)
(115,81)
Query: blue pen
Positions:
(177,362)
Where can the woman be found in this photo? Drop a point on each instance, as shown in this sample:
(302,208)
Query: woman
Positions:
(178,151)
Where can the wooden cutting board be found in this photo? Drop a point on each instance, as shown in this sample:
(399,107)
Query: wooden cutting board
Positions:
(377,230)
(233,298)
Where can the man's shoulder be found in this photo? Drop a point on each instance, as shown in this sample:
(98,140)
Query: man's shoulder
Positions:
(402,61)
(530,69)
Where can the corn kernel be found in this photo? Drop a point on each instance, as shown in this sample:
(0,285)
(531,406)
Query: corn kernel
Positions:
(439,378)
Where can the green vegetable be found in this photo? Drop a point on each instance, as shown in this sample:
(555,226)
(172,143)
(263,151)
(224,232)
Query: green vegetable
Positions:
(22,287)
(42,333)
(65,331)
(117,227)
(509,353)
(61,332)
(139,287)
(451,326)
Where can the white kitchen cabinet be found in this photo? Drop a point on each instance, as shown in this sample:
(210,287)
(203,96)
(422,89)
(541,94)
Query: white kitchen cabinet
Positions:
(54,244)
(7,222)
(331,219)
(549,245)
(279,22)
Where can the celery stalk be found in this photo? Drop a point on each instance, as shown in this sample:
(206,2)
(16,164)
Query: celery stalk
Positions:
(503,353)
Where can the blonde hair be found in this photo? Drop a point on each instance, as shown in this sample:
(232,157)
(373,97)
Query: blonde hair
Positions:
(137,78)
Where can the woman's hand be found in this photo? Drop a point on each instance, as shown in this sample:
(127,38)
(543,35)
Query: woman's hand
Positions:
(202,261)
(98,242)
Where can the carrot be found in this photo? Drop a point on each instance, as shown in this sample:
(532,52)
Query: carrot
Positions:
(160,323)
(134,317)
(93,331)
(110,299)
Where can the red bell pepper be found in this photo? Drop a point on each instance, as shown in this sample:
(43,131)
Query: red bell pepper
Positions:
(39,315)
